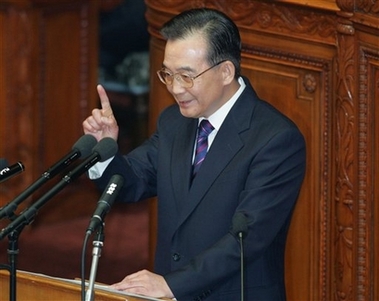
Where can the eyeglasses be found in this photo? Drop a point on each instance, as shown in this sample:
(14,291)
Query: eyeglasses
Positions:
(185,80)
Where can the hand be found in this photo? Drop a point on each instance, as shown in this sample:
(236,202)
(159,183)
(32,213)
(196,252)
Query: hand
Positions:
(145,283)
(101,123)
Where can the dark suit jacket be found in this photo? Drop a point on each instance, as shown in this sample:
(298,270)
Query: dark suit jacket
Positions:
(255,165)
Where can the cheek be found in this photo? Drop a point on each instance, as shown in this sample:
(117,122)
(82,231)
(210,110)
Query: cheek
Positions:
(206,104)
(208,95)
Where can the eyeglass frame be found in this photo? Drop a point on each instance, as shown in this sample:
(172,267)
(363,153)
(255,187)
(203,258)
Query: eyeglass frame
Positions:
(192,78)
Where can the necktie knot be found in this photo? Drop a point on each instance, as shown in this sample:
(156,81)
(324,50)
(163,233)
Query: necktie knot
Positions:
(205,128)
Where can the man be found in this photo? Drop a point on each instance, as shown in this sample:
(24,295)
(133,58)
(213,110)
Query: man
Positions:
(254,166)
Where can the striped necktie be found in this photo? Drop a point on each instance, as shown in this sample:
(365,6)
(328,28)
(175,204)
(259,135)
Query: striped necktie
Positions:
(205,128)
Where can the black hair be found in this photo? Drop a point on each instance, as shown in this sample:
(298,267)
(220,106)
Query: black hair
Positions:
(218,29)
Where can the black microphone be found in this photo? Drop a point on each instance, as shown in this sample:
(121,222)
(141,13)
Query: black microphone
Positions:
(240,224)
(105,202)
(11,171)
(82,148)
(240,229)
(102,151)
(3,163)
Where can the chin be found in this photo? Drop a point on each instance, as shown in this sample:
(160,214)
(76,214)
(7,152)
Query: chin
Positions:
(187,113)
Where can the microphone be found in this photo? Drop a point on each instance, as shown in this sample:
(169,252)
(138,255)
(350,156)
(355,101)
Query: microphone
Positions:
(240,228)
(102,151)
(240,224)
(11,171)
(81,148)
(105,203)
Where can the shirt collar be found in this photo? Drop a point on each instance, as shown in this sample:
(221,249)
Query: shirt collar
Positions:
(218,117)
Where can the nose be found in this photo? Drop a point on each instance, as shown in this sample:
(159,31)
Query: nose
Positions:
(176,87)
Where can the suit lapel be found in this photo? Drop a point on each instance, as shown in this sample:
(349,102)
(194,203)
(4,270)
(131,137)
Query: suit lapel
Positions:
(181,166)
(226,144)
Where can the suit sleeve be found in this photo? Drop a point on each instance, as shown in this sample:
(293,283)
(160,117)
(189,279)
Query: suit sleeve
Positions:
(138,169)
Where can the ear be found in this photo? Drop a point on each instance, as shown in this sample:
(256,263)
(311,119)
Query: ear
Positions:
(228,72)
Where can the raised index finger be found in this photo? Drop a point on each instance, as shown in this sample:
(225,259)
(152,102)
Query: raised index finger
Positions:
(106,108)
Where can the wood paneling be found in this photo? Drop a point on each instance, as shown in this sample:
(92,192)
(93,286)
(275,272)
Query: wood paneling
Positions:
(48,77)
(317,62)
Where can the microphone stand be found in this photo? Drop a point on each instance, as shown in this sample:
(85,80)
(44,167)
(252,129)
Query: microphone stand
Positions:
(242,266)
(96,253)
(12,251)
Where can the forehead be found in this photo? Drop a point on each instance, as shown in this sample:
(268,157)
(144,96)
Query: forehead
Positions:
(189,51)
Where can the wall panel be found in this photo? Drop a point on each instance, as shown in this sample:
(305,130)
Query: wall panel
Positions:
(317,62)
(48,75)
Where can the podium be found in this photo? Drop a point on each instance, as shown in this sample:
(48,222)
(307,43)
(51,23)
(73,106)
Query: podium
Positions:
(38,287)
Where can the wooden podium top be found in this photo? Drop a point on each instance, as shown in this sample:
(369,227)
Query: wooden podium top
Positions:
(31,286)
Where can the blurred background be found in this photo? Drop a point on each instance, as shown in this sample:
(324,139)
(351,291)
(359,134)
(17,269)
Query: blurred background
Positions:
(103,42)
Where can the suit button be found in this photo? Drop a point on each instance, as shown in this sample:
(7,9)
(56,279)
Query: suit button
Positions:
(176,257)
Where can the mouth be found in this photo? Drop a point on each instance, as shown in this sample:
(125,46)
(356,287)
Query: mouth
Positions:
(184,103)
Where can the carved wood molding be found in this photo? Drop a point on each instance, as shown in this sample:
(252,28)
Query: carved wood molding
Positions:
(346,5)
(294,22)
(367,6)
(364,241)
(353,141)
(345,166)
(265,16)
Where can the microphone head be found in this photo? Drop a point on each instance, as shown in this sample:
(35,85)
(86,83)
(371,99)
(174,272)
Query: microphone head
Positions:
(85,144)
(240,224)
(3,163)
(115,184)
(106,148)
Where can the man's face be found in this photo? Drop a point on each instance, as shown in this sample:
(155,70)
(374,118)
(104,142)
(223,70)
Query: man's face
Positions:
(188,56)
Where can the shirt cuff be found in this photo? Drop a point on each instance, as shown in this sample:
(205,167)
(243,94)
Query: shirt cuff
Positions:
(98,169)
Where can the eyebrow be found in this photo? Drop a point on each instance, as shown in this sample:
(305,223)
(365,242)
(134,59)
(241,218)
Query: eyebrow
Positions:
(181,69)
